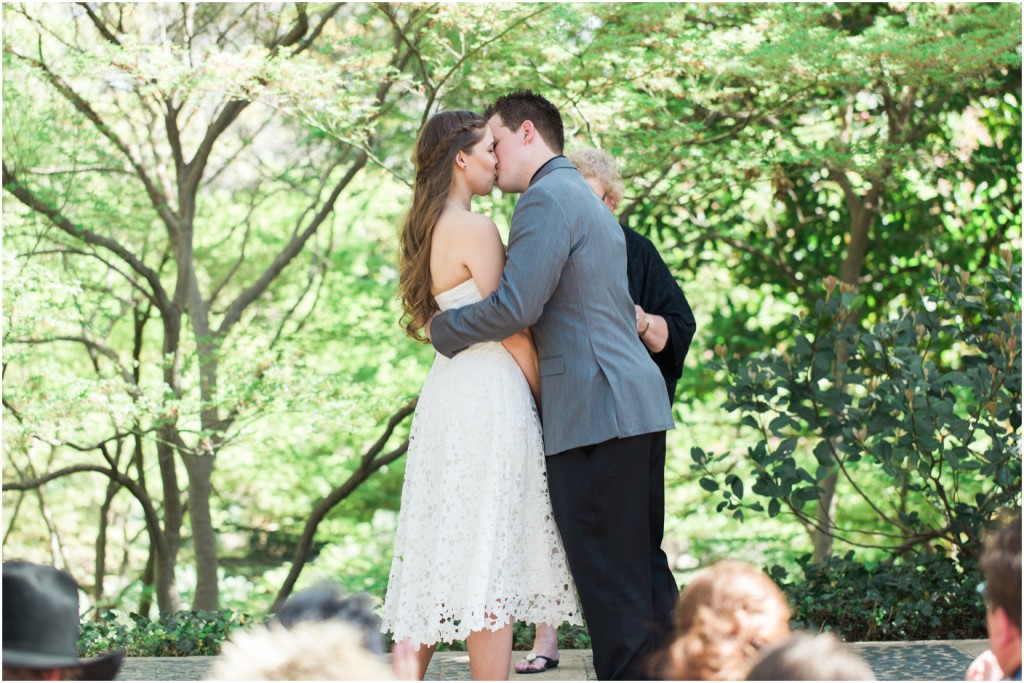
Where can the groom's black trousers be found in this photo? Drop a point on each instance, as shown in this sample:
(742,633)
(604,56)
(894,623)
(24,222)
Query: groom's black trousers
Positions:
(609,504)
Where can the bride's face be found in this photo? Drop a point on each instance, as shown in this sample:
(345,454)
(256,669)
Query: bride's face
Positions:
(481,164)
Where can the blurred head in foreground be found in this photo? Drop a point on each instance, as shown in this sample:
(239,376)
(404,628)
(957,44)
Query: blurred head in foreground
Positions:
(320,634)
(726,615)
(806,657)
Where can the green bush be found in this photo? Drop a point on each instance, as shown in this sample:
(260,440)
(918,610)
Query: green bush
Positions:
(918,415)
(181,634)
(924,596)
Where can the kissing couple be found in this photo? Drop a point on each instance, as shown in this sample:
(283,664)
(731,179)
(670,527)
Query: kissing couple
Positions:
(503,519)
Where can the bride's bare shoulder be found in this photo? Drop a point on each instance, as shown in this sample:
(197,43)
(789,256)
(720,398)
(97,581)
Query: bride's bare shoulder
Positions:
(461,224)
(460,238)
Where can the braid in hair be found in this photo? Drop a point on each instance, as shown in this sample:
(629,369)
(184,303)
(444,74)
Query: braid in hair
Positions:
(441,139)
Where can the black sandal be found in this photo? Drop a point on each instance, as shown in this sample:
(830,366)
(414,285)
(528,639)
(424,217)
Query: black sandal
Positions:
(531,658)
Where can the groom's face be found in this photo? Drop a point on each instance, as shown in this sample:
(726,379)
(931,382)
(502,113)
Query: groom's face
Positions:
(508,148)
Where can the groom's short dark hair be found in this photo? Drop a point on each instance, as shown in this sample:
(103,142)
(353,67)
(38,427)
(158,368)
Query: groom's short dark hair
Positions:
(526,105)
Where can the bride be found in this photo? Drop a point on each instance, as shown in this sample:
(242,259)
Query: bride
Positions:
(477,547)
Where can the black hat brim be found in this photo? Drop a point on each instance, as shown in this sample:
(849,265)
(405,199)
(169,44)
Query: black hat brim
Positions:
(102,668)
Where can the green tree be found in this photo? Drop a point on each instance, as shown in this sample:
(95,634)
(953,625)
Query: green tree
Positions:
(174,110)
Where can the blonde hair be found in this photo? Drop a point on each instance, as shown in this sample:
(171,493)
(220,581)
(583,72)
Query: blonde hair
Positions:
(597,163)
(726,615)
(309,651)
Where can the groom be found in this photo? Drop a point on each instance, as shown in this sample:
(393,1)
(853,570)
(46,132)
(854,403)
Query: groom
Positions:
(602,398)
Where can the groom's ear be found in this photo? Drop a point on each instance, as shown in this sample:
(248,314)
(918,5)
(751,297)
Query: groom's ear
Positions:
(527,131)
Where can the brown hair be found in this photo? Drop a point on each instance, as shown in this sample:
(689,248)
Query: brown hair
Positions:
(725,616)
(441,139)
(806,657)
(526,105)
(1000,563)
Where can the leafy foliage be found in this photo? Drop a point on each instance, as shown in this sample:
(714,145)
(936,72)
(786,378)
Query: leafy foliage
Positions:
(928,402)
(199,241)
(923,596)
(182,634)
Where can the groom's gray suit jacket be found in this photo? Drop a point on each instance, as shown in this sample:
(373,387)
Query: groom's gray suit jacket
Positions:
(565,277)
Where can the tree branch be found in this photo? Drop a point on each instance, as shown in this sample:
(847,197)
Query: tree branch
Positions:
(193,170)
(317,267)
(29,199)
(234,311)
(100,25)
(369,463)
(196,167)
(462,58)
(156,197)
(318,29)
(152,520)
(853,203)
(776,263)
(400,33)
(92,254)
(89,344)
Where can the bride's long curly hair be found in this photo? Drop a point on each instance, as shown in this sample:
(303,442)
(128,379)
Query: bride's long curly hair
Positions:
(441,139)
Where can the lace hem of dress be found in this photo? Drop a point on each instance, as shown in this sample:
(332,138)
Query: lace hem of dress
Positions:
(448,628)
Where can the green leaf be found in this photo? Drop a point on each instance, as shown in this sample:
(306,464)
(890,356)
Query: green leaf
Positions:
(737,487)
(709,485)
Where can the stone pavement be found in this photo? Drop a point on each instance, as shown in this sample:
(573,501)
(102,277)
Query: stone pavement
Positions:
(933,660)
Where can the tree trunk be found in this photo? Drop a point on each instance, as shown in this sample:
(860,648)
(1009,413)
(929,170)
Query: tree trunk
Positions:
(148,579)
(101,545)
(200,462)
(149,573)
(204,538)
(167,597)
(862,215)
(826,513)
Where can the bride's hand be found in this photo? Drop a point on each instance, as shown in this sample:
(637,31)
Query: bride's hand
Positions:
(426,326)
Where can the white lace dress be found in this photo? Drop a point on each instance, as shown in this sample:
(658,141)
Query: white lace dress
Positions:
(477,544)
